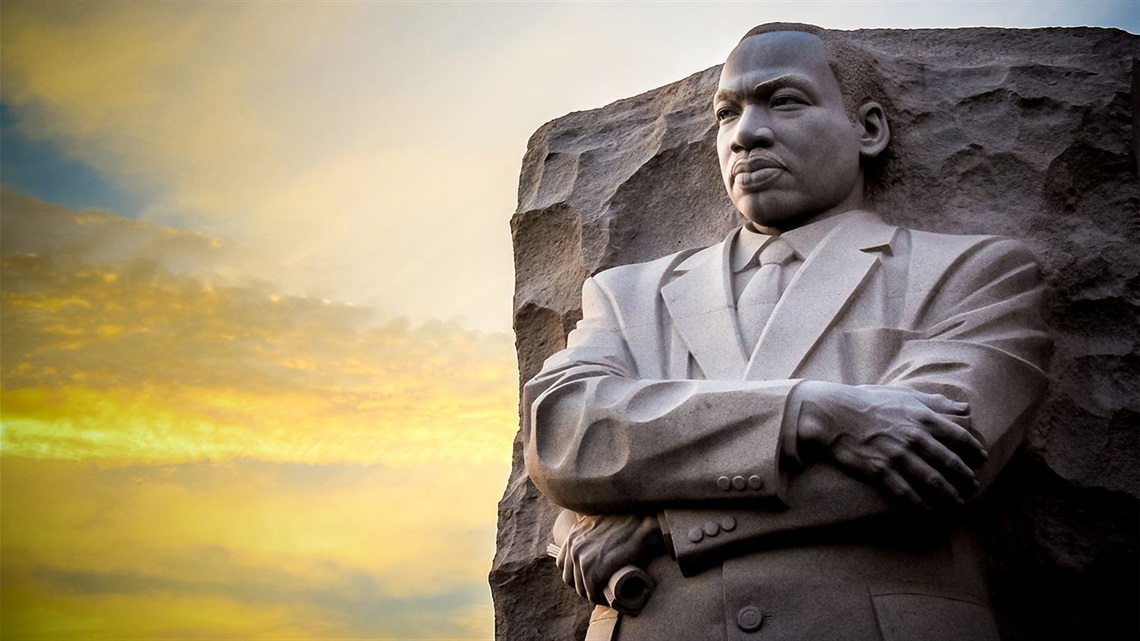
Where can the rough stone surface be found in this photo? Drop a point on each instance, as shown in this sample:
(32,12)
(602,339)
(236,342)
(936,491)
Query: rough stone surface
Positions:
(1024,133)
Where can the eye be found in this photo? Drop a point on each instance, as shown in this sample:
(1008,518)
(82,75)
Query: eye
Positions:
(787,100)
(724,113)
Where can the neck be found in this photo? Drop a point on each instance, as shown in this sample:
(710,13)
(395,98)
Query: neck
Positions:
(853,201)
(780,227)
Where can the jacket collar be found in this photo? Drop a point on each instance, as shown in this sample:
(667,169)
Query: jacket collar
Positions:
(700,300)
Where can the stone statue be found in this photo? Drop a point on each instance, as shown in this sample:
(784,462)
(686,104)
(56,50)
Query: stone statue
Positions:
(782,429)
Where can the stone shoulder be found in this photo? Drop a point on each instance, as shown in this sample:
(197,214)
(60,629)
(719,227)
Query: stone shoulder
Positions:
(658,271)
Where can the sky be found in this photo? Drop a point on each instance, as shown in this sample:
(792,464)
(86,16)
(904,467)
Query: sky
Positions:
(256,371)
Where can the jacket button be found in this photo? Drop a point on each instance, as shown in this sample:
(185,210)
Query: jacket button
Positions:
(695,535)
(749,618)
(711,528)
(724,483)
(728,524)
(738,482)
(755,482)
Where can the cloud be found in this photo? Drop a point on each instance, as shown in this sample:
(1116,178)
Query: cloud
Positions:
(284,130)
(244,549)
(188,454)
(354,604)
(420,530)
(124,340)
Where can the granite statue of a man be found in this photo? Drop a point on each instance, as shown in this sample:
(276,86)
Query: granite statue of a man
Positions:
(783,429)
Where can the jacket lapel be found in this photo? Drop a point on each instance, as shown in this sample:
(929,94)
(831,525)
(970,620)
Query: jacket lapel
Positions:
(821,290)
(700,302)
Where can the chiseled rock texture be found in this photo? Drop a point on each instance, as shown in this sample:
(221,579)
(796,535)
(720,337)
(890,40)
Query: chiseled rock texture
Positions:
(1025,133)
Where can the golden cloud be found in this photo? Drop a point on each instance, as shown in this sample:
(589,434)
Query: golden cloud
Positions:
(310,131)
(188,454)
(109,353)
(244,549)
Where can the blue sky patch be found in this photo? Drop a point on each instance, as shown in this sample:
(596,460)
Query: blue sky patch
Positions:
(41,169)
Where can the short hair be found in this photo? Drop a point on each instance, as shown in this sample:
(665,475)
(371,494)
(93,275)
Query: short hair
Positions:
(857,71)
(855,68)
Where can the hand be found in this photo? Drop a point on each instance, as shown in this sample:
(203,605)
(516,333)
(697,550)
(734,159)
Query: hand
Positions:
(598,546)
(912,444)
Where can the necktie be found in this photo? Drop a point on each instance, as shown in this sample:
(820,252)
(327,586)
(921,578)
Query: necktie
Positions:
(762,293)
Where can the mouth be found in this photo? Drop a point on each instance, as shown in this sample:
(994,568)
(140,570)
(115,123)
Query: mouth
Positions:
(756,172)
(754,180)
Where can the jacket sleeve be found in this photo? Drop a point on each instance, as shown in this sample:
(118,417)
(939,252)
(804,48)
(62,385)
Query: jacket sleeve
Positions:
(600,439)
(979,338)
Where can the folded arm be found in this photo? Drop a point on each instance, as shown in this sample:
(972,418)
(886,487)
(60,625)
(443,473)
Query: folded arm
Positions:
(597,439)
(981,343)
(601,440)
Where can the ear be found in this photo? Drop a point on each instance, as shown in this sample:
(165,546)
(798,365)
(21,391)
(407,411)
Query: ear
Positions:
(876,133)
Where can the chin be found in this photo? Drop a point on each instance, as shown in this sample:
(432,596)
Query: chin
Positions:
(775,217)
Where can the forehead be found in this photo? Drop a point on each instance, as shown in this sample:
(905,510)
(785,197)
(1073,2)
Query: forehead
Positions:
(774,54)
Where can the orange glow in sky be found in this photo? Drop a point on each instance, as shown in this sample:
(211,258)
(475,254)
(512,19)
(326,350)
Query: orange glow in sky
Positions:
(272,395)
(188,460)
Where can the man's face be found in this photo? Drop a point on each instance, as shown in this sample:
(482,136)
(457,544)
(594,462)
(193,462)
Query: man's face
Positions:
(788,151)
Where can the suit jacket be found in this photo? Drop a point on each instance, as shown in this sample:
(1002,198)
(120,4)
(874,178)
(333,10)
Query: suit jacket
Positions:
(655,407)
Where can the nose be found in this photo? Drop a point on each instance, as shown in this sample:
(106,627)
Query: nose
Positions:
(752,130)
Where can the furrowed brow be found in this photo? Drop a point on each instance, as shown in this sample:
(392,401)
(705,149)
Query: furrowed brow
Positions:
(786,80)
(764,88)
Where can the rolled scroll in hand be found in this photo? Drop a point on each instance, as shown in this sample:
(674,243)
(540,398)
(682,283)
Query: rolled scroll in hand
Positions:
(628,589)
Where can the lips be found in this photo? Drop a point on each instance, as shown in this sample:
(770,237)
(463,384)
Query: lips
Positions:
(756,172)
(755,163)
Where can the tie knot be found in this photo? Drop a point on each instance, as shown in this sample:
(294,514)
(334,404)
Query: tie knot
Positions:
(777,252)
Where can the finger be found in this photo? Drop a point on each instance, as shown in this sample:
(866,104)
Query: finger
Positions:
(560,558)
(947,463)
(880,472)
(579,579)
(940,403)
(929,482)
(567,564)
(594,586)
(956,438)
(962,421)
(901,489)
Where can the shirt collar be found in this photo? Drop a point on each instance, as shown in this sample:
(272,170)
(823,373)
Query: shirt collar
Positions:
(802,239)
